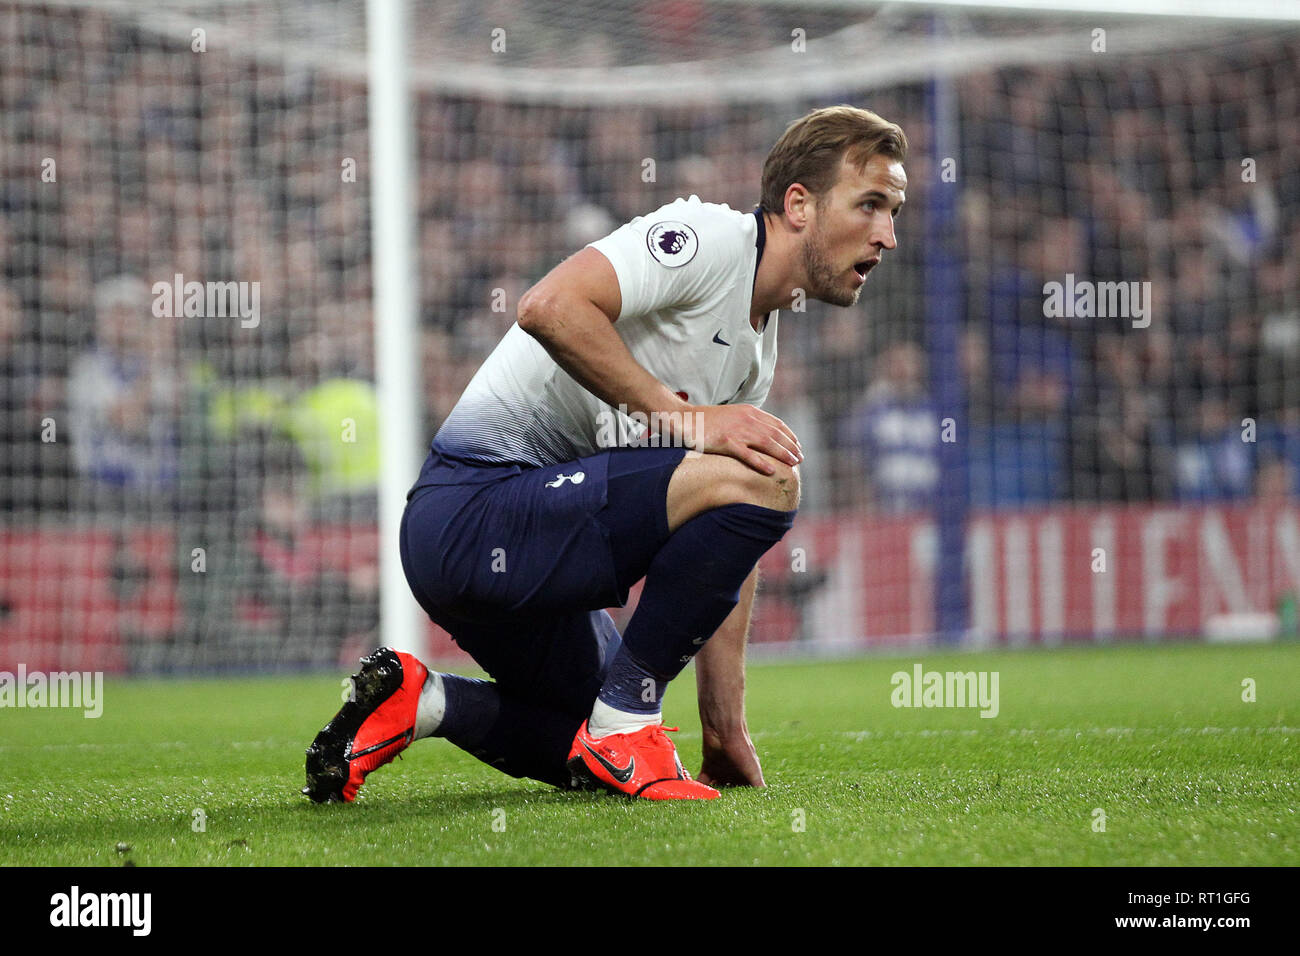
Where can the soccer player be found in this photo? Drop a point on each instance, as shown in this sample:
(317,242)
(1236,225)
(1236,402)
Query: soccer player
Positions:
(562,477)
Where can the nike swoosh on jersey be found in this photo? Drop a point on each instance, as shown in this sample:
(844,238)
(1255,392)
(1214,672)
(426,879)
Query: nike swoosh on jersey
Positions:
(621,774)
(717,337)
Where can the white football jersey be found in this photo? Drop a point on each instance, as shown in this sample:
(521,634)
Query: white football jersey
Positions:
(686,275)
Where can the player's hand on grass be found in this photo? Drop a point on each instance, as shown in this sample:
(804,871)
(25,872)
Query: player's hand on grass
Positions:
(745,433)
(731,761)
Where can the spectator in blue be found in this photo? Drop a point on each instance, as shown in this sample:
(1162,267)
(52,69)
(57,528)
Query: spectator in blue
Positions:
(1215,463)
(125,395)
(893,434)
(1032,354)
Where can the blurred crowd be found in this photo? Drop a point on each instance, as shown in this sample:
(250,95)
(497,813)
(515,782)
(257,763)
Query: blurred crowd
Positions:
(128,159)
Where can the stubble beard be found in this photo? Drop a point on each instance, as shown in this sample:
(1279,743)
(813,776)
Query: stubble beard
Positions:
(823,281)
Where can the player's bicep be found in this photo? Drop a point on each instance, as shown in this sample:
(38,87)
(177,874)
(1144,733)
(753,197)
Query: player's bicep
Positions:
(586,275)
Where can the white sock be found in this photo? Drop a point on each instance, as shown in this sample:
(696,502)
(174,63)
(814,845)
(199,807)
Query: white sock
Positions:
(606,720)
(433,704)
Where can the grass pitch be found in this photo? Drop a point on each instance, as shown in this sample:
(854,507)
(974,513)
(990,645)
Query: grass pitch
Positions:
(1156,738)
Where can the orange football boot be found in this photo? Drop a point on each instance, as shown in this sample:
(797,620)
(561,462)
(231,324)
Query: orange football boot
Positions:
(372,728)
(641,764)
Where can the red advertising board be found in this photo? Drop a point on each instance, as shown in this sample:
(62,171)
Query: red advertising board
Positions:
(852,580)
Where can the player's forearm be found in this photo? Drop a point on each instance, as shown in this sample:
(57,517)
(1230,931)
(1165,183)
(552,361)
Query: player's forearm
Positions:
(720,668)
(583,342)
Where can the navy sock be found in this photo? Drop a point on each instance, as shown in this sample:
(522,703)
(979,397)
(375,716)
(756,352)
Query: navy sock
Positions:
(692,585)
(630,685)
(471,710)
(506,732)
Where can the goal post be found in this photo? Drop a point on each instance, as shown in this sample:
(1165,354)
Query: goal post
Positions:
(396,326)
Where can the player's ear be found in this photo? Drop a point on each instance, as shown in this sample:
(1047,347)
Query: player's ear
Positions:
(798,205)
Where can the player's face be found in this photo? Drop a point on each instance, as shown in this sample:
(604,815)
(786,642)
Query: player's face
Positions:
(852,225)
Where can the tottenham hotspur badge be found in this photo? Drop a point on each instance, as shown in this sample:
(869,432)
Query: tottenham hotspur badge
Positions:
(672,243)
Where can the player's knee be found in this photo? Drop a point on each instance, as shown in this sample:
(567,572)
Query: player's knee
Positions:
(786,480)
(778,491)
(715,481)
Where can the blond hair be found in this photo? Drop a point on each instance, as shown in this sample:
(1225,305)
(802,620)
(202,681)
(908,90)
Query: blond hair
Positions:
(810,150)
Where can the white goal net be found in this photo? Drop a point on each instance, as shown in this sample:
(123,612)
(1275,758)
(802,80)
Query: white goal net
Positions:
(1064,408)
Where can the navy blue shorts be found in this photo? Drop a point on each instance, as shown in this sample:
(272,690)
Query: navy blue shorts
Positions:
(518,564)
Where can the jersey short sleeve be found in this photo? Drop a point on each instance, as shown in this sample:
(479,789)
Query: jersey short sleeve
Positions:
(679,257)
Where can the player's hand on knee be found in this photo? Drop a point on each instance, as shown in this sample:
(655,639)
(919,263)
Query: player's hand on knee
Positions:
(745,433)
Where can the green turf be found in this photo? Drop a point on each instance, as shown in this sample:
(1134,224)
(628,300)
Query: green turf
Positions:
(1157,737)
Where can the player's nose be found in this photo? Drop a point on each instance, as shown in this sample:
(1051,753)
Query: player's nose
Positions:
(884,234)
